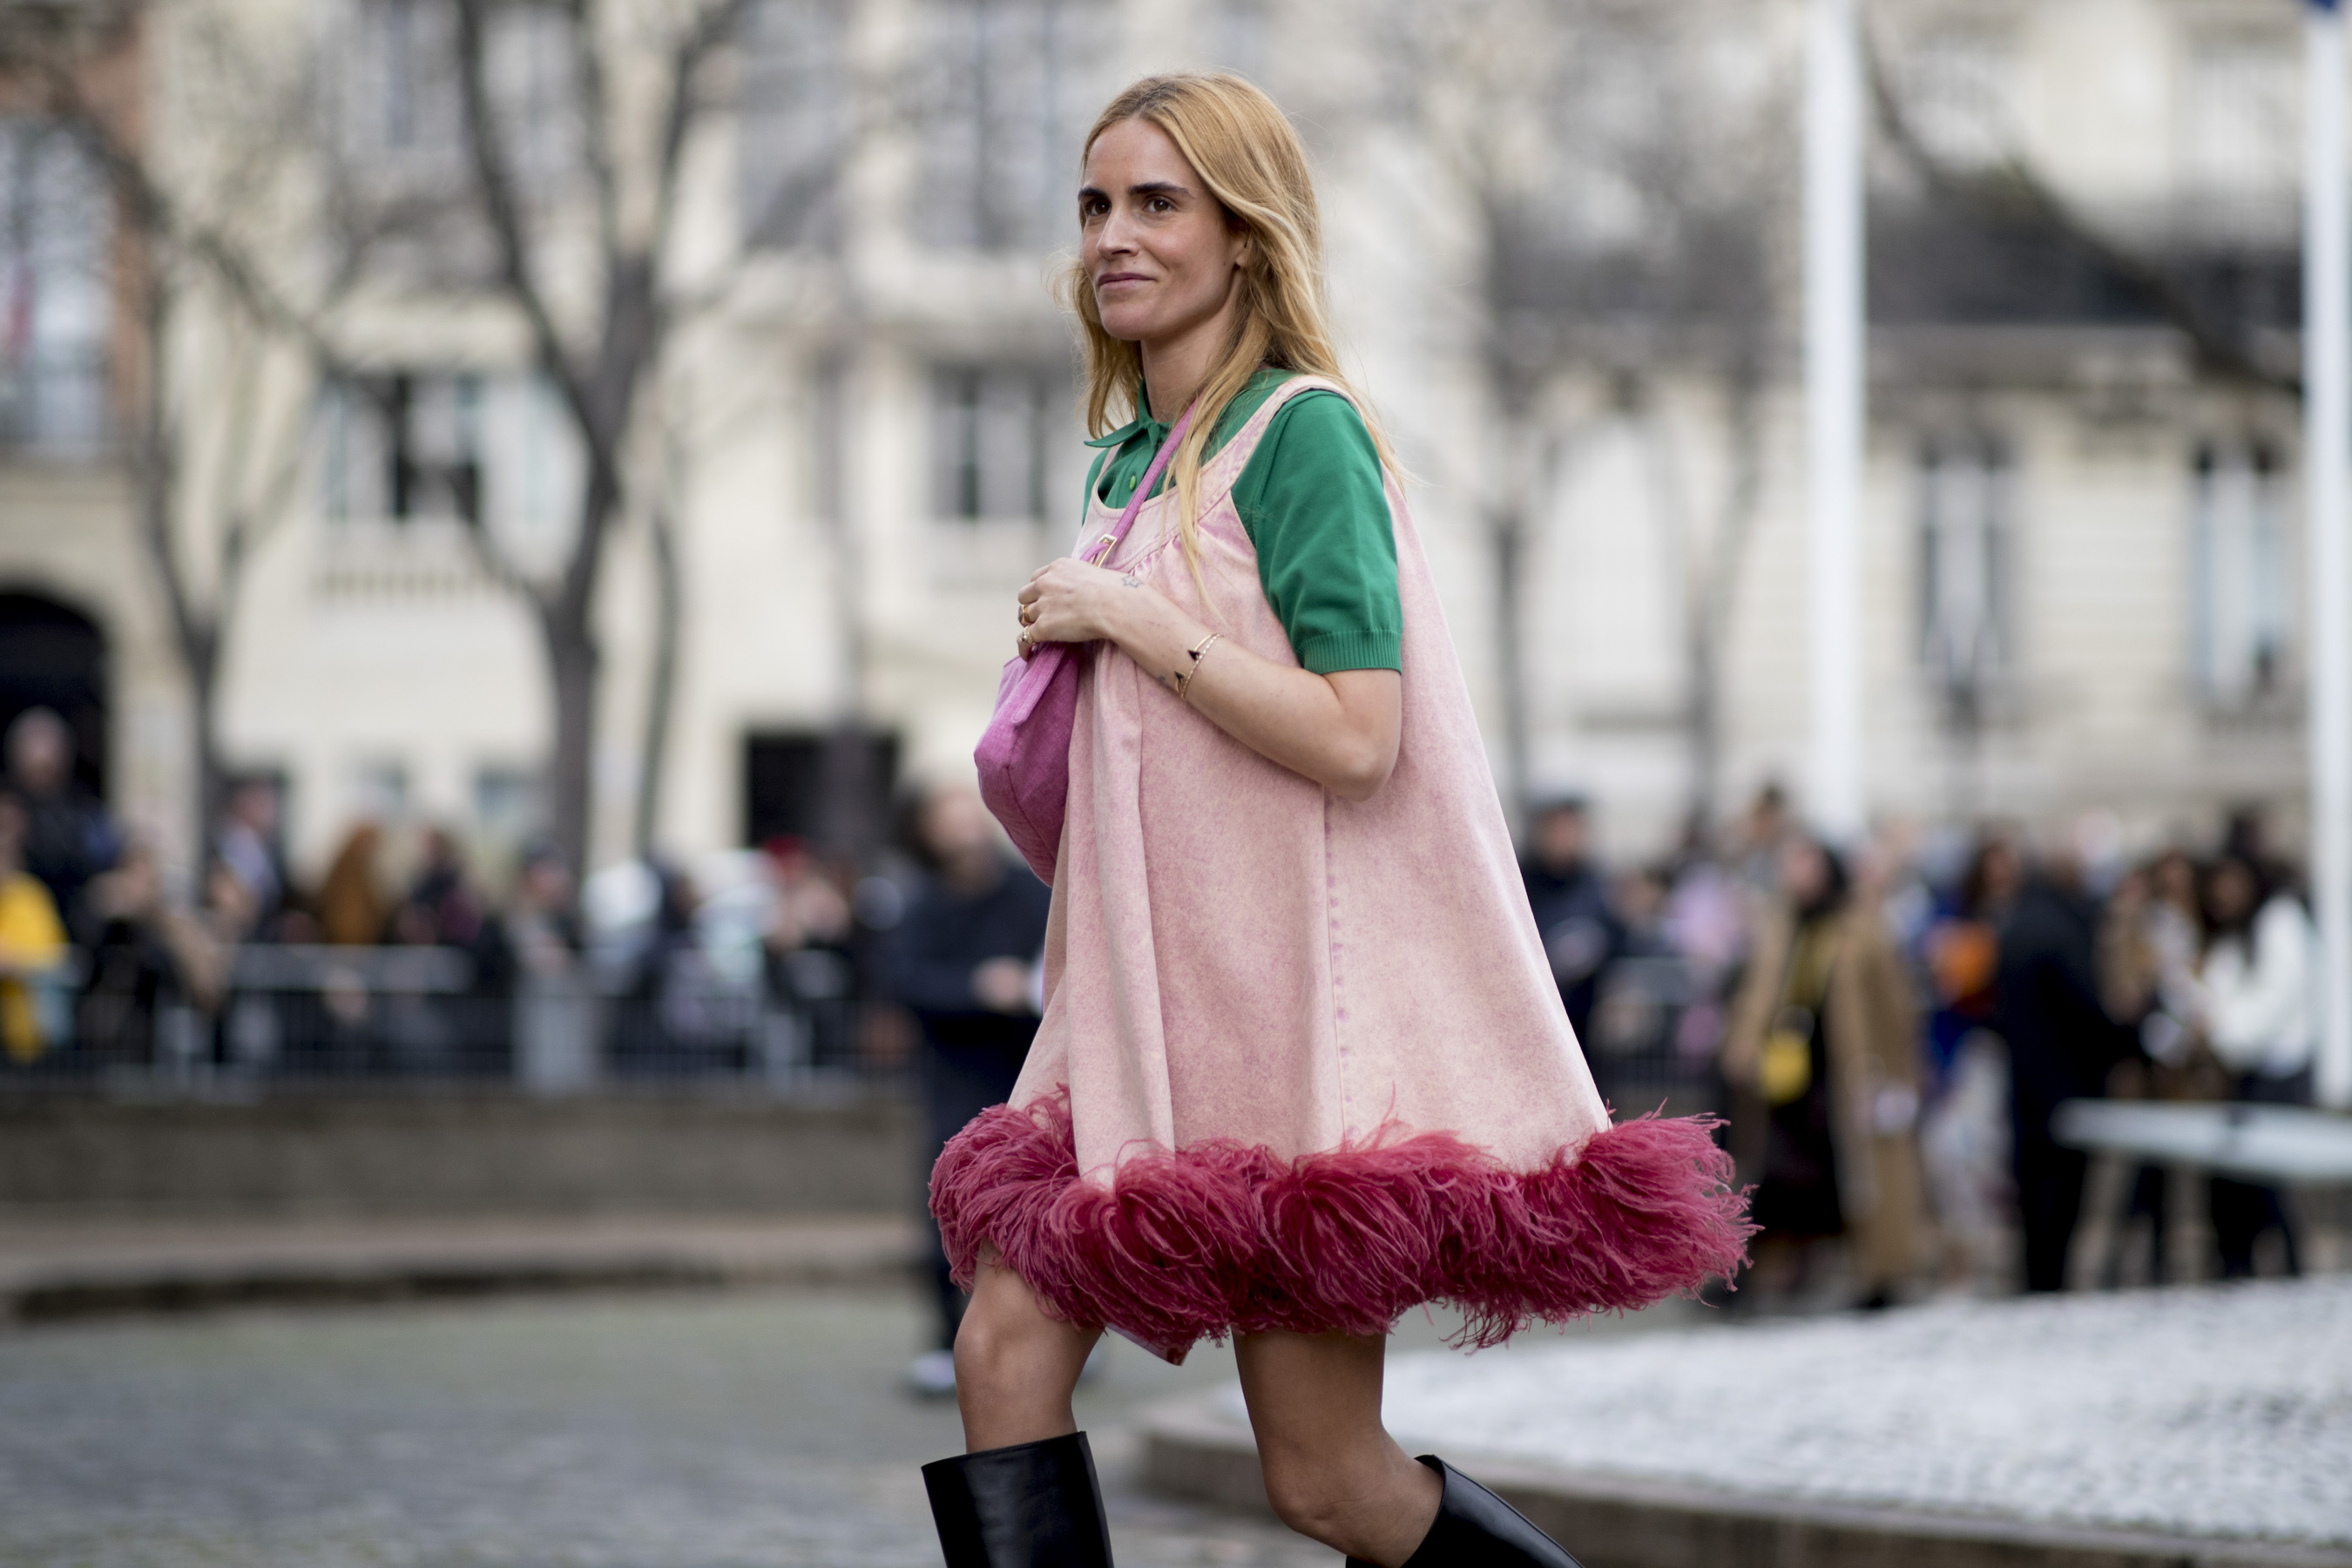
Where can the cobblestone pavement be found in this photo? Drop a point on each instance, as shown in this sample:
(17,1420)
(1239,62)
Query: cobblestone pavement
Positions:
(738,1430)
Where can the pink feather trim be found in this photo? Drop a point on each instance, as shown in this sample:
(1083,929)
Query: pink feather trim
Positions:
(1220,1237)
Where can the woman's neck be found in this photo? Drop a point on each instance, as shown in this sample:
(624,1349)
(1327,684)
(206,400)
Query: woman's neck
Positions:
(1177,366)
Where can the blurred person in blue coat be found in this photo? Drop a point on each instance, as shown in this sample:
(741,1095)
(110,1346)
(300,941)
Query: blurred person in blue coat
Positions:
(965,960)
(1569,896)
(68,838)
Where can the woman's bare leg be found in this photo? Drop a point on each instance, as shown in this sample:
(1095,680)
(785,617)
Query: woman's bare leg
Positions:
(1332,1471)
(1015,1365)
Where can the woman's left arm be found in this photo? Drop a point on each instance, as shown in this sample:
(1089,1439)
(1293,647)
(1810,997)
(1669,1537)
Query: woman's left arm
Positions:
(1339,730)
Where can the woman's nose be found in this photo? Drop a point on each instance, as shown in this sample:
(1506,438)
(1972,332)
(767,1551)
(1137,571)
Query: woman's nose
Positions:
(1115,237)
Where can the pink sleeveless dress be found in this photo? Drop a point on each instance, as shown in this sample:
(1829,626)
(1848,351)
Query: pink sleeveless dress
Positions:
(1303,1063)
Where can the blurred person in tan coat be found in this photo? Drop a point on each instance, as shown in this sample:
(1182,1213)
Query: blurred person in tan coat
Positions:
(1823,1058)
(352,911)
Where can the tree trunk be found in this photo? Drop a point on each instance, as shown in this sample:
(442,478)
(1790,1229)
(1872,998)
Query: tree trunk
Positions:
(567,621)
(212,774)
(573,664)
(661,696)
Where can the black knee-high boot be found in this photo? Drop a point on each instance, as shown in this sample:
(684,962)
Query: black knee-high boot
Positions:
(1476,1529)
(1033,1505)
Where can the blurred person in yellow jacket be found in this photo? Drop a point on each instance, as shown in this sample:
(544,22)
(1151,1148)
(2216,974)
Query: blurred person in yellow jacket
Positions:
(1822,1056)
(32,947)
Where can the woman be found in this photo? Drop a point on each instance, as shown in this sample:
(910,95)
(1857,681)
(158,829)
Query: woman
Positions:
(1302,1066)
(1960,1122)
(1823,1051)
(33,951)
(2251,1000)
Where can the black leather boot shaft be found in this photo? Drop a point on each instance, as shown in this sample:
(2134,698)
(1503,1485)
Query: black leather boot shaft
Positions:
(1033,1505)
(1476,1529)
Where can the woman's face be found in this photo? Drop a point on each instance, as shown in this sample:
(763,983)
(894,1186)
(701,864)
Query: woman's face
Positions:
(1804,874)
(2230,892)
(1159,253)
(2176,881)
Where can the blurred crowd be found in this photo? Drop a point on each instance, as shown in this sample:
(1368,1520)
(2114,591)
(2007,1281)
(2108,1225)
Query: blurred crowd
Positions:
(760,958)
(1889,1036)
(1886,1034)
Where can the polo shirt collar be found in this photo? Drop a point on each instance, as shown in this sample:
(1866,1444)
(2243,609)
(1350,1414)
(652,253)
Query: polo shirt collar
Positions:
(1129,431)
(1142,423)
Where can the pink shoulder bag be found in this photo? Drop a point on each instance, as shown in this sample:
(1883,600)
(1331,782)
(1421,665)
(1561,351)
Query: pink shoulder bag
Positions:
(1025,757)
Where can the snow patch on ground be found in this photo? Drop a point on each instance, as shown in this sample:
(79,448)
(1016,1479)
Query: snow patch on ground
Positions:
(2220,1412)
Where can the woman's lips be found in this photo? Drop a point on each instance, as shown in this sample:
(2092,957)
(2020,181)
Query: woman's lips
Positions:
(1110,278)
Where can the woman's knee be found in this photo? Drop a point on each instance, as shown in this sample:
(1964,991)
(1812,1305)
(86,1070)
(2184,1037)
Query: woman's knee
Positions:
(987,1348)
(1318,1495)
(1006,1343)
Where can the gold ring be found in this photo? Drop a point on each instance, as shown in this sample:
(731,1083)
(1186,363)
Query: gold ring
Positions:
(1025,649)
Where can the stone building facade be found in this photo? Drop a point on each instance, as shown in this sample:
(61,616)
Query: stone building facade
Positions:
(2082,546)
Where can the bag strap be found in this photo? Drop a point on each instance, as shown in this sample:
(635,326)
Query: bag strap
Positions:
(1109,542)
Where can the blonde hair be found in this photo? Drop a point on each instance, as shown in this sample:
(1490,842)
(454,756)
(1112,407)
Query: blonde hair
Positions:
(1246,153)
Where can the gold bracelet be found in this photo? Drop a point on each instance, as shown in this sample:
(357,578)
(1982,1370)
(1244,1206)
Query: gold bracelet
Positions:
(1184,677)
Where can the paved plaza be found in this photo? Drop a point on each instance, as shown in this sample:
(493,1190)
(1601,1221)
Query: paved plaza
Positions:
(767,1429)
(2220,1412)
(726,1430)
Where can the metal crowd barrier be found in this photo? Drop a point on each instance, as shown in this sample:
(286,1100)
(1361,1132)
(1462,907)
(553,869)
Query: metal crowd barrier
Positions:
(326,1015)
(1652,1040)
(317,1015)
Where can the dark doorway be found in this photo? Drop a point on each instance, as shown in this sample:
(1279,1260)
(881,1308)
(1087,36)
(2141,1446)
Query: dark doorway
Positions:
(53,656)
(830,788)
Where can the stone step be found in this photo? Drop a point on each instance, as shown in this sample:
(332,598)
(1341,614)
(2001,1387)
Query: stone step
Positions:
(52,1270)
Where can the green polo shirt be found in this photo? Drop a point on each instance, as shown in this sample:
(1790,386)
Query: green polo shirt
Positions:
(1312,503)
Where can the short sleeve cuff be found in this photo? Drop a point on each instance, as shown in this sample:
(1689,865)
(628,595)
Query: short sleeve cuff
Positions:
(1336,651)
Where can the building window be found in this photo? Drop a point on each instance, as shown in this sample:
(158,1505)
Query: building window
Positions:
(401,448)
(534,470)
(2242,132)
(497,450)
(507,808)
(1964,490)
(2240,574)
(989,427)
(1957,92)
(796,117)
(56,306)
(398,86)
(395,94)
(1012,86)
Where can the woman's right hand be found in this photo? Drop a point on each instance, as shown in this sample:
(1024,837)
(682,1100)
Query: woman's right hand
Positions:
(1069,601)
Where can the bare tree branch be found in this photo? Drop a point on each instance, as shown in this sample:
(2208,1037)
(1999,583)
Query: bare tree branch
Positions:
(495,186)
(596,127)
(718,24)
(156,215)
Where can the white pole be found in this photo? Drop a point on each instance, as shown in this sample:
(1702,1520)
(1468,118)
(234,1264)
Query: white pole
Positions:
(1834,412)
(2328,466)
